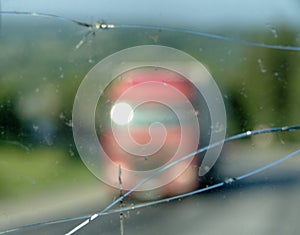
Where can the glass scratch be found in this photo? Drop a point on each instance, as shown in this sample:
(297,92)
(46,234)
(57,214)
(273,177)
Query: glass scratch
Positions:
(107,210)
(121,201)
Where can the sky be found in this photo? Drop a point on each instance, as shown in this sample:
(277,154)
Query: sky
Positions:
(200,13)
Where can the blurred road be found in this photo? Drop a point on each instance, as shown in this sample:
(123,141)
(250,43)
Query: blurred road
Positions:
(265,204)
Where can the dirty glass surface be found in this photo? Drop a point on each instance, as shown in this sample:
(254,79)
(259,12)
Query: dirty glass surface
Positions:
(250,49)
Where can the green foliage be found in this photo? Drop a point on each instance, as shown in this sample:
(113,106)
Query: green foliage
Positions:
(24,172)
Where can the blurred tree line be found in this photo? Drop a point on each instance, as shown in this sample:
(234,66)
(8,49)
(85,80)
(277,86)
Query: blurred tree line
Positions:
(40,72)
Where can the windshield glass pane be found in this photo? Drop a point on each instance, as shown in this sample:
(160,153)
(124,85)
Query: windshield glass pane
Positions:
(212,70)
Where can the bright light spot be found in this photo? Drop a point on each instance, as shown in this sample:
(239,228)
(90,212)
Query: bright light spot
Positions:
(121,113)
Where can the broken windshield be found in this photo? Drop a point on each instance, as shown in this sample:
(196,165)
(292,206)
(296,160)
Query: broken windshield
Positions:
(195,107)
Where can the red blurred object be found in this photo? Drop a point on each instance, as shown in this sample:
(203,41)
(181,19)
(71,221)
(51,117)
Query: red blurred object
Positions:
(165,77)
(159,84)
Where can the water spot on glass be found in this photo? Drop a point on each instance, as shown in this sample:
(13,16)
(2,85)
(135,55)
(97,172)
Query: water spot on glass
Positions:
(153,37)
(243,93)
(71,152)
(69,123)
(217,128)
(48,140)
(62,116)
(229,180)
(35,127)
(272,30)
(261,66)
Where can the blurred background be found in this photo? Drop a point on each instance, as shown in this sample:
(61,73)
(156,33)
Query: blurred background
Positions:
(41,175)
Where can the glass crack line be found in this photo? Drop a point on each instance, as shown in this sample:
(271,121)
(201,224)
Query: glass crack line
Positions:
(102,25)
(89,218)
(159,171)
